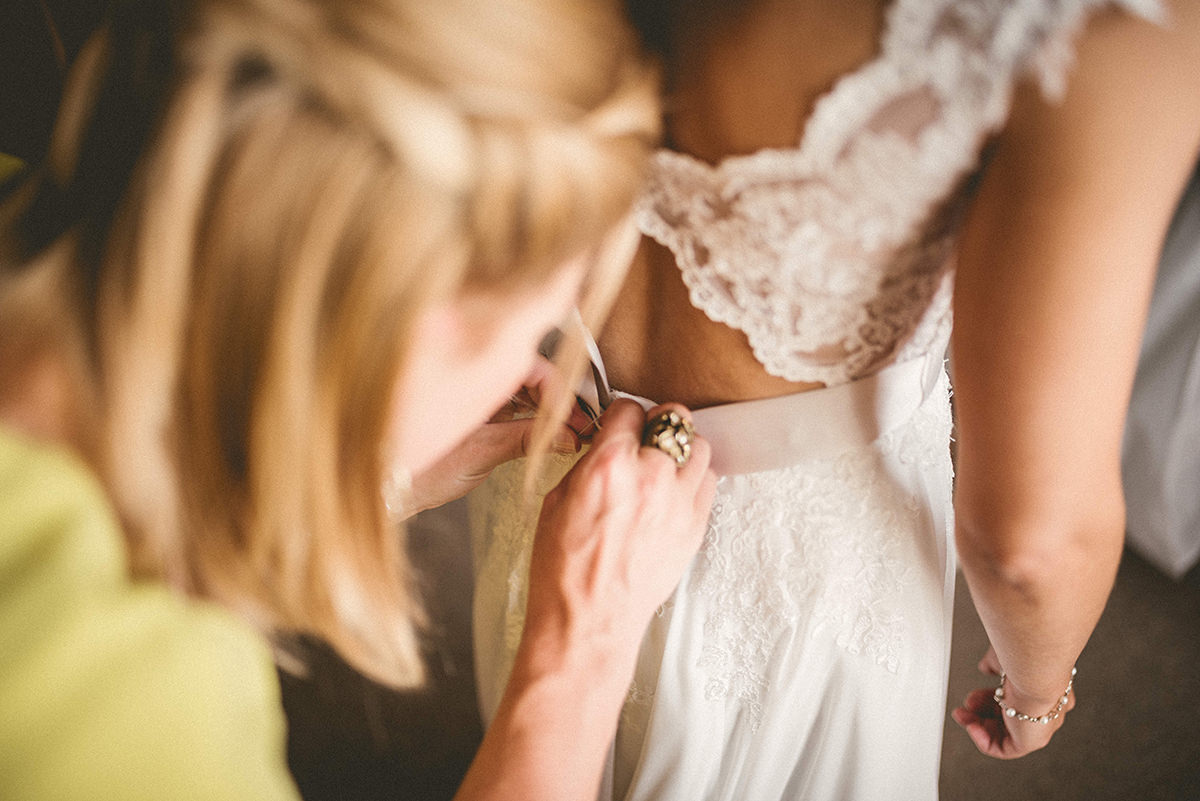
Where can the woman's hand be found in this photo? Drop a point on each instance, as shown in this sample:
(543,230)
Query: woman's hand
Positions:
(1000,736)
(612,541)
(614,537)
(506,436)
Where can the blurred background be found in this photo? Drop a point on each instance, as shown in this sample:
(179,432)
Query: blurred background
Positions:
(38,39)
(1135,735)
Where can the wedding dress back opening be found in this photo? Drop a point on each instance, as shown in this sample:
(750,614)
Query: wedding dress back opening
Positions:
(804,654)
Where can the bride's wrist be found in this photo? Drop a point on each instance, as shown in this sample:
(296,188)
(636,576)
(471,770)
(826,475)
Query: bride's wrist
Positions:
(1021,705)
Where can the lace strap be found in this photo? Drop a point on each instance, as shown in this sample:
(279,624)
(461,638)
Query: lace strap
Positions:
(1038,37)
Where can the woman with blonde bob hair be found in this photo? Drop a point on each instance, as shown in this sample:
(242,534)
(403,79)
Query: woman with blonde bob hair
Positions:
(285,256)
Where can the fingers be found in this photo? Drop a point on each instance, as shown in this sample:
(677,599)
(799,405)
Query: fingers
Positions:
(694,474)
(469,463)
(996,735)
(982,703)
(462,469)
(963,716)
(988,736)
(617,533)
(622,426)
(497,443)
(983,722)
(989,664)
(699,455)
(621,423)
(541,377)
(524,402)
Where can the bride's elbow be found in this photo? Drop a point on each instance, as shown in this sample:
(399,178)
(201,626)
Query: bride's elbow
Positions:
(1034,550)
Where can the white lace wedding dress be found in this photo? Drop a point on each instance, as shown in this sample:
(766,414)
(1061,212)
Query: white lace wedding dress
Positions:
(804,654)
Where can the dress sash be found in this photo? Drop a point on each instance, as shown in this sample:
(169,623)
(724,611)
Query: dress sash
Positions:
(773,433)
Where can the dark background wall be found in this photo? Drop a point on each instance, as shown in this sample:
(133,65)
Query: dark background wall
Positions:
(38,40)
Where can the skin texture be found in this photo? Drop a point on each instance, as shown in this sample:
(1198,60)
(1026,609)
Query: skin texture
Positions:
(1056,264)
(1058,259)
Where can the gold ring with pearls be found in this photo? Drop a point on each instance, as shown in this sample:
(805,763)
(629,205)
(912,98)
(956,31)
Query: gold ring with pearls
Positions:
(671,433)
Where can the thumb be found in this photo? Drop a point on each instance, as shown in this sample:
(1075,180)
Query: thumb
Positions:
(990,663)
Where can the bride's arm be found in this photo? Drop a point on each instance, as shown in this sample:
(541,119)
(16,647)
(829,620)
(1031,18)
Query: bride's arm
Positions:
(1055,272)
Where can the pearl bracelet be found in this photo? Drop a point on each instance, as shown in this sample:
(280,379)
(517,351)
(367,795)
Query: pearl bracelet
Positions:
(1043,719)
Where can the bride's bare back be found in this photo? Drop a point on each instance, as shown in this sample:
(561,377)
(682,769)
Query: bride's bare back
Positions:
(747,84)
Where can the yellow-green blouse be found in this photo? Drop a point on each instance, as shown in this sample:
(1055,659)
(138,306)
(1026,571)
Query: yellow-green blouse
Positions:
(111,689)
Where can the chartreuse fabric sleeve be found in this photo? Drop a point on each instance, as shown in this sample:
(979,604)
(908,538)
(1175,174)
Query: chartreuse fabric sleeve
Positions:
(114,689)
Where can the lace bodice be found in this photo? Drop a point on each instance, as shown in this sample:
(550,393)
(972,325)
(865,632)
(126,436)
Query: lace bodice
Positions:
(834,257)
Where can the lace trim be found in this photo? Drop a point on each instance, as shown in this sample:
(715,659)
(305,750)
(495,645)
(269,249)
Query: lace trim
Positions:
(1039,36)
(809,251)
(820,548)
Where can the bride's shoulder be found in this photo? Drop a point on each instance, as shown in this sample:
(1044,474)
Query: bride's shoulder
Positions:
(1015,40)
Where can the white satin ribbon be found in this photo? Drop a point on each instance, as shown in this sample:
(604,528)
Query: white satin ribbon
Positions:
(773,433)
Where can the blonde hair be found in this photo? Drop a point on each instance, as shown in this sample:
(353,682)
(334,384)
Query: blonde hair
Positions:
(245,206)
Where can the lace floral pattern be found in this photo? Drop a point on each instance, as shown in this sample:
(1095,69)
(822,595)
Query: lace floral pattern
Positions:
(830,256)
(823,548)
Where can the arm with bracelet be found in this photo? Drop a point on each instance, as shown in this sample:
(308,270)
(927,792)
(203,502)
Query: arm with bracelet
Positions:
(1055,271)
